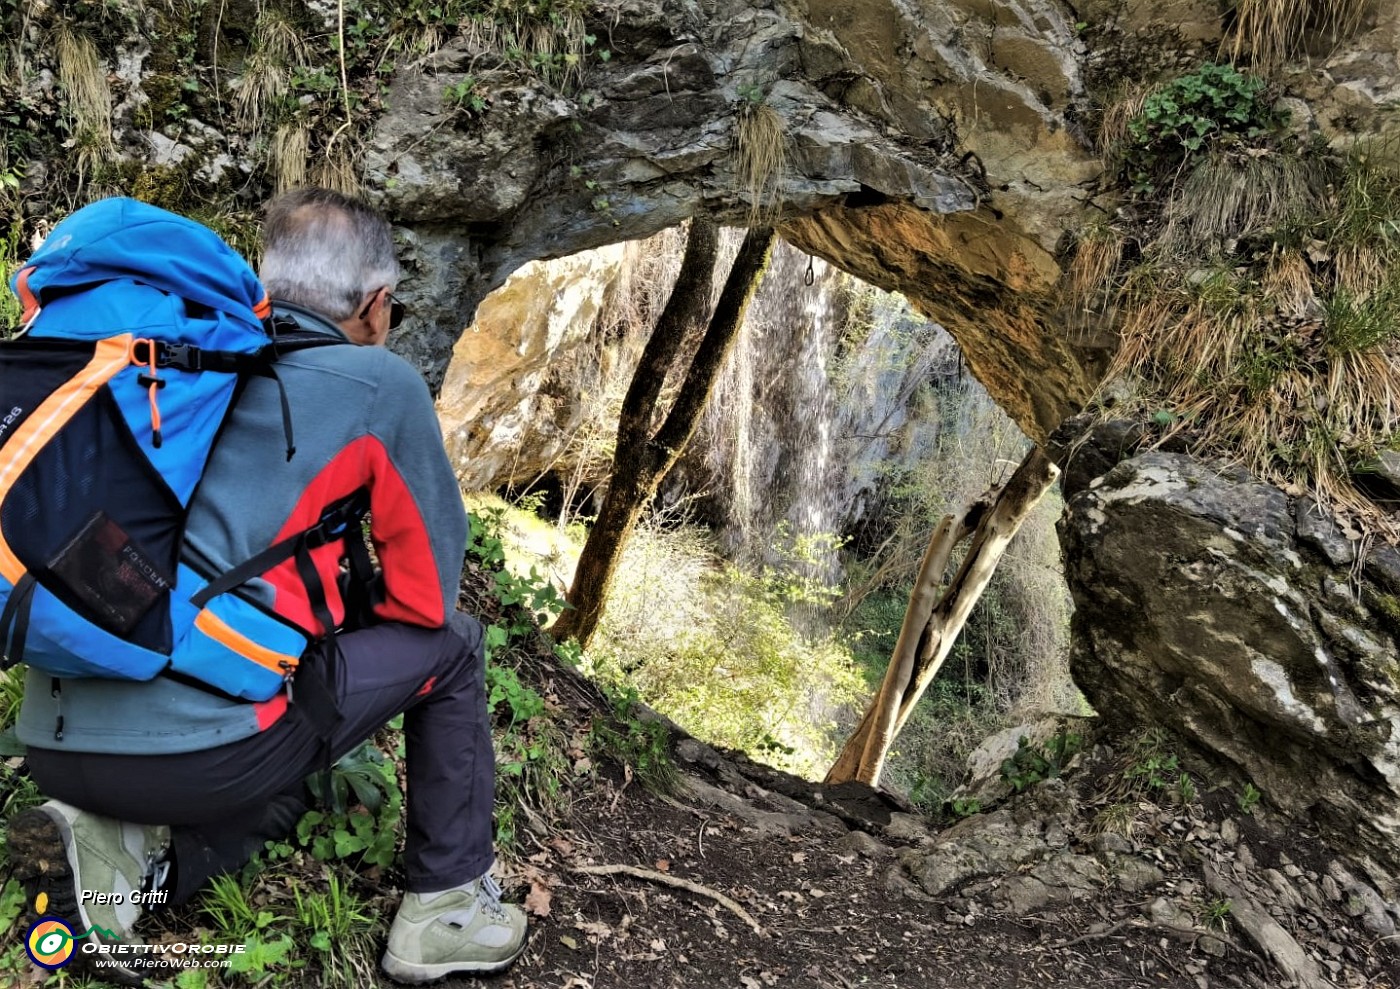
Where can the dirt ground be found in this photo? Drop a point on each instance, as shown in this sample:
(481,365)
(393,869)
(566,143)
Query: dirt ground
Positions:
(829,912)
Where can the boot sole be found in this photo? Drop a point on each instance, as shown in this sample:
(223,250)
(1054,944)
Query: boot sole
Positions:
(411,973)
(39,841)
(39,844)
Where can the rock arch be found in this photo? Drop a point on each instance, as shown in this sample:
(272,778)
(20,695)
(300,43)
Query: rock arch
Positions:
(928,151)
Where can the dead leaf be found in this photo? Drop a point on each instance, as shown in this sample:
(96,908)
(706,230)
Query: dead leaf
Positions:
(663,865)
(749,982)
(657,944)
(537,900)
(594,928)
(562,845)
(799,856)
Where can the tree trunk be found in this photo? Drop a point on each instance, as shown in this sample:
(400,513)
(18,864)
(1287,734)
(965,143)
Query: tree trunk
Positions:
(643,459)
(880,716)
(929,629)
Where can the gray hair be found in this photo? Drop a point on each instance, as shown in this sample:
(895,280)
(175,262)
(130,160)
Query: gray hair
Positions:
(325,251)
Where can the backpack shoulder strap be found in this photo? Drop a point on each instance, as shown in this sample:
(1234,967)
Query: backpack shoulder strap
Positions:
(335,523)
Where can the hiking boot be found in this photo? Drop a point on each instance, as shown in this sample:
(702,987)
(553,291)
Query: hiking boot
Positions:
(465,930)
(59,851)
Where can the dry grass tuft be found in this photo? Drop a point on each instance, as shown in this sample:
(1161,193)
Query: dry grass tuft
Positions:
(1231,194)
(1094,267)
(1284,357)
(277,45)
(556,50)
(1117,115)
(83,76)
(1272,30)
(288,154)
(760,149)
(336,170)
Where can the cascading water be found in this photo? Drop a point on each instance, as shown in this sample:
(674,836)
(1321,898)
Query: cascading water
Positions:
(822,402)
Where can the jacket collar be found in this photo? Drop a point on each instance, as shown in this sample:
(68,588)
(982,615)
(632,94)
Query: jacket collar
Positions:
(308,319)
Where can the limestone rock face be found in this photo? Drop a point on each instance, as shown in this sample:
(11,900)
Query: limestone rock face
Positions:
(1352,91)
(1214,604)
(492,396)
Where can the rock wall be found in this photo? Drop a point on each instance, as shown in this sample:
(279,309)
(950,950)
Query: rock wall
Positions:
(1242,619)
(501,425)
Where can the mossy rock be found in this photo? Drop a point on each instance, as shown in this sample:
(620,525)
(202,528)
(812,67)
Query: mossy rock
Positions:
(1387,606)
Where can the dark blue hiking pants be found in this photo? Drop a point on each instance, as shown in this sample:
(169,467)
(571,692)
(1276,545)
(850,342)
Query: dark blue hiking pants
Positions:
(224,803)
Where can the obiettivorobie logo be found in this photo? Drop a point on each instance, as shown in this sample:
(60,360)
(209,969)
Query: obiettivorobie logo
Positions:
(52,944)
(50,941)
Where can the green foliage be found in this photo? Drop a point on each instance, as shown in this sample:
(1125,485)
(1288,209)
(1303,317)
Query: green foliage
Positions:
(226,903)
(1356,322)
(751,95)
(643,744)
(265,957)
(361,832)
(1030,764)
(17,791)
(12,904)
(11,695)
(1151,771)
(721,649)
(1155,770)
(965,806)
(12,252)
(1248,799)
(192,978)
(1214,105)
(467,97)
(530,761)
(334,923)
(534,593)
(1215,913)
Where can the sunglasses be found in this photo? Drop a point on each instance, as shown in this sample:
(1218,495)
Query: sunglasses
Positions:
(397,310)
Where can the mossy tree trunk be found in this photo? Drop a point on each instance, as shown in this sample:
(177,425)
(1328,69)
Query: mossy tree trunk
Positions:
(643,458)
(932,623)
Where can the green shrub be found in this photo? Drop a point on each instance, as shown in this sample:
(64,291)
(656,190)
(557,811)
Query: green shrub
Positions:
(1032,763)
(1213,105)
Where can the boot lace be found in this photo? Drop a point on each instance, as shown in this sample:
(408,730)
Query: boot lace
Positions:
(488,895)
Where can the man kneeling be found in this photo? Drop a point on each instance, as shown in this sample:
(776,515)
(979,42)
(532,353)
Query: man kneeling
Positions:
(160,785)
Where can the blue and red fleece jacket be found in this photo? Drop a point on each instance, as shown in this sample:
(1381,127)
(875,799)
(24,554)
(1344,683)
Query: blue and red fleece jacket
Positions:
(362,418)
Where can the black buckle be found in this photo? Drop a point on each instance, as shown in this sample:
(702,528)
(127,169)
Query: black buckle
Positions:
(180,355)
(327,531)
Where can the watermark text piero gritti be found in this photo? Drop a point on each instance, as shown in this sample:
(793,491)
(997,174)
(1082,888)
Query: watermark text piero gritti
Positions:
(153,898)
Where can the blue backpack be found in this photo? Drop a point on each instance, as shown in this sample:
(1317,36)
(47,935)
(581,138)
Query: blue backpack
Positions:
(138,327)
